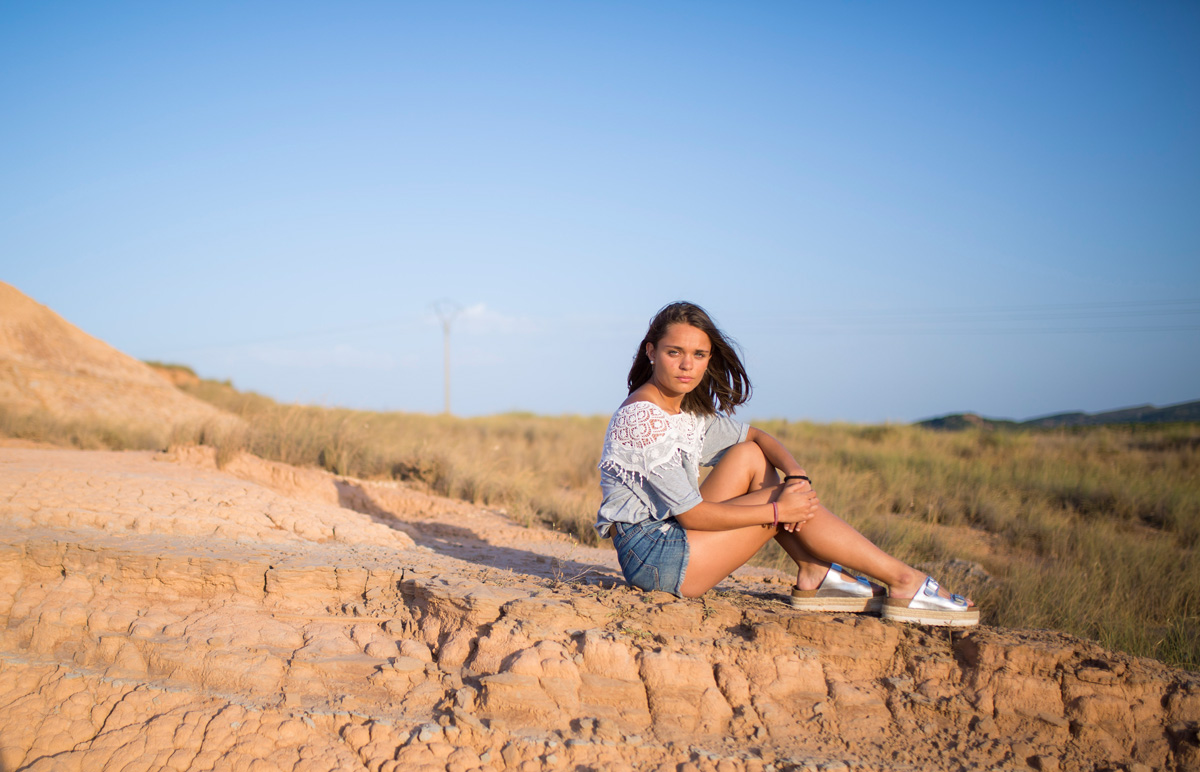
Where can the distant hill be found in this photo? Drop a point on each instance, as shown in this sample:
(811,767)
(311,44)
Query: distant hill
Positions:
(48,366)
(959,421)
(1143,414)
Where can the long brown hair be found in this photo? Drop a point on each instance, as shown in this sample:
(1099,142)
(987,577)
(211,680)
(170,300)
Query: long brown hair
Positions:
(725,384)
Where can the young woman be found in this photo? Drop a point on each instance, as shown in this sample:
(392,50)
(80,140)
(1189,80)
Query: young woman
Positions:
(675,535)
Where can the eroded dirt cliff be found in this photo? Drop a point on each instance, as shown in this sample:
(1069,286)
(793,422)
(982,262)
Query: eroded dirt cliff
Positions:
(158,613)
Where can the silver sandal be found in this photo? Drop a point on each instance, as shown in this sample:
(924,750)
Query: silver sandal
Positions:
(927,607)
(839,592)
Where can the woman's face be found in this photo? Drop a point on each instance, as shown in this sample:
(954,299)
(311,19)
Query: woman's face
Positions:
(680,358)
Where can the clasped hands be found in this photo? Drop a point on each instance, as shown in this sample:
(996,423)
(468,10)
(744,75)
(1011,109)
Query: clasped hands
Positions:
(798,503)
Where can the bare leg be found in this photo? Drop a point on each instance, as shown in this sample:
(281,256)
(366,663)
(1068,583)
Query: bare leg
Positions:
(714,555)
(745,474)
(831,538)
(743,470)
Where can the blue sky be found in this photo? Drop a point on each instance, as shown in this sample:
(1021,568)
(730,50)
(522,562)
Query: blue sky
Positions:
(899,210)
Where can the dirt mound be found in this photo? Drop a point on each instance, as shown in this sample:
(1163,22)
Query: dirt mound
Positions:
(49,365)
(156,613)
(176,375)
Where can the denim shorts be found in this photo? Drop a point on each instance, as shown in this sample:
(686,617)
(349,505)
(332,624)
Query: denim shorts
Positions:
(653,553)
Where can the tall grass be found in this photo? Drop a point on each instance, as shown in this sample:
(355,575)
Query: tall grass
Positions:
(1089,531)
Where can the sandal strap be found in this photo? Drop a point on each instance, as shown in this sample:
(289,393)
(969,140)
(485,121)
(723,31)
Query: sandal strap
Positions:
(929,599)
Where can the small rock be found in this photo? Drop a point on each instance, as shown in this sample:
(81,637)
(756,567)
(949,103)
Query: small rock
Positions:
(1054,720)
(465,697)
(1022,753)
(428,732)
(607,729)
(466,719)
(1046,763)
(406,665)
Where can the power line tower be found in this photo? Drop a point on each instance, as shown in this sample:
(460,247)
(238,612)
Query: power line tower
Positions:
(446,310)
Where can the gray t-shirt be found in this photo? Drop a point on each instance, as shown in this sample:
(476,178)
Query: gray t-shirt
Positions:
(650,466)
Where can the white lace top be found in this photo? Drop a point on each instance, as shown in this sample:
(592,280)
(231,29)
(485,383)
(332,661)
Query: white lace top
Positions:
(650,466)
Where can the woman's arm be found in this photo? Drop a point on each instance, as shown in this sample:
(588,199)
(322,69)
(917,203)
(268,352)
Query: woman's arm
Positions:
(776,454)
(725,516)
(797,504)
(796,500)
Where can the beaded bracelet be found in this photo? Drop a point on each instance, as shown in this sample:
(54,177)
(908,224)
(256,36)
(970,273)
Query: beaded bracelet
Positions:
(797,477)
(775,511)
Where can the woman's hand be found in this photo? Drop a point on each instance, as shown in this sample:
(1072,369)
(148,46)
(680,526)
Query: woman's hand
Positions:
(798,503)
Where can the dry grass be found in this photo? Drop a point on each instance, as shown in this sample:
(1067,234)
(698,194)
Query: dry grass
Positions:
(535,468)
(87,434)
(1092,532)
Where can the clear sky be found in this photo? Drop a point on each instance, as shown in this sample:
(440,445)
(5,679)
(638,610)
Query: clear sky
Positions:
(899,210)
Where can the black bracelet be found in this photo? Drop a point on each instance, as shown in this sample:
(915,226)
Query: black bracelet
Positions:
(797,477)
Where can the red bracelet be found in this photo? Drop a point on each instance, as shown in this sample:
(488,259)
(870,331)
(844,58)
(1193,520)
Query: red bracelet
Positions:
(775,510)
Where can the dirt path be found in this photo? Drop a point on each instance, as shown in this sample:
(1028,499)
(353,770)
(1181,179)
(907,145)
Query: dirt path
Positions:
(158,613)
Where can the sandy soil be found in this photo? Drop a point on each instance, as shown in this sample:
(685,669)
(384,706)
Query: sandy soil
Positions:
(159,613)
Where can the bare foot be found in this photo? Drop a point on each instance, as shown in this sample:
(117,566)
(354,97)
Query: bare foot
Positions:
(810,575)
(911,585)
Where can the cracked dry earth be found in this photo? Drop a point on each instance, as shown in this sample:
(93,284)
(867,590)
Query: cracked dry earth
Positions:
(157,613)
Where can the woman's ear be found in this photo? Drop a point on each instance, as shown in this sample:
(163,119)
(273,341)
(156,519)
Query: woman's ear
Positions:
(650,351)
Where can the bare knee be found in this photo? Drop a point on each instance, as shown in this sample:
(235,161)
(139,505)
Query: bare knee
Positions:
(746,454)
(743,468)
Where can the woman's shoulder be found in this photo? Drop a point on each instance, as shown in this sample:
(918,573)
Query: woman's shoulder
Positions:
(645,420)
(634,406)
(641,424)
(638,411)
(644,400)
